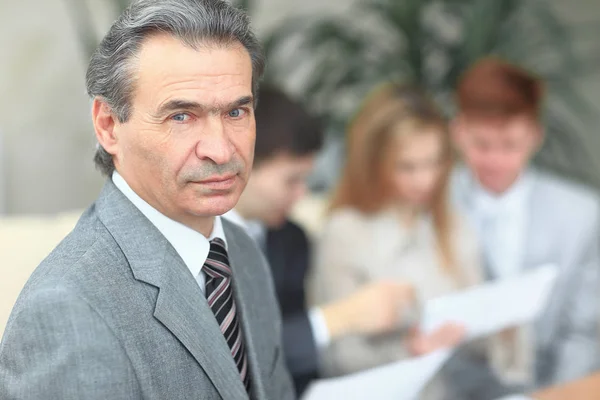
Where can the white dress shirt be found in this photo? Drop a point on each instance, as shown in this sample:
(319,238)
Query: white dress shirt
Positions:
(192,246)
(501,221)
(257,231)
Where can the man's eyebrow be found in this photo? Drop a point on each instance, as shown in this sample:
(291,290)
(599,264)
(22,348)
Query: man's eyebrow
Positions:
(242,101)
(177,105)
(180,104)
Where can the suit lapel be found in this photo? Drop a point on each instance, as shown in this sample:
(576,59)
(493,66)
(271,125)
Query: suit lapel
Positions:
(183,309)
(539,252)
(245,290)
(180,307)
(532,218)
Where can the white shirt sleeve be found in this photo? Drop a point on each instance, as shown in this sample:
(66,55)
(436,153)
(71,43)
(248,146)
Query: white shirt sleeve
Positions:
(319,328)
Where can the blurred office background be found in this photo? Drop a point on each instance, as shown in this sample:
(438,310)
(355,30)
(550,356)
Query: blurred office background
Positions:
(46,137)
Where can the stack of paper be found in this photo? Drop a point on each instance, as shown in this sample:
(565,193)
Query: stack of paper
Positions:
(482,310)
(399,380)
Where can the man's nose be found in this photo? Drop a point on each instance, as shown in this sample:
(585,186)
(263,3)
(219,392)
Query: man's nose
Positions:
(214,144)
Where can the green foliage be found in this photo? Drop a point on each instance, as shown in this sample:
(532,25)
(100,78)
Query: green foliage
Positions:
(431,42)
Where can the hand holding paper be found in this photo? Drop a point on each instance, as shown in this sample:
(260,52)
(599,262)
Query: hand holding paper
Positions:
(482,310)
(446,336)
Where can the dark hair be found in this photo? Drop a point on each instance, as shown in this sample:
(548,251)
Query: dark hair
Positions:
(493,88)
(284,126)
(111,72)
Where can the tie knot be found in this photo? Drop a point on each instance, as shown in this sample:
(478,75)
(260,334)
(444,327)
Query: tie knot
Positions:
(217,262)
(218,244)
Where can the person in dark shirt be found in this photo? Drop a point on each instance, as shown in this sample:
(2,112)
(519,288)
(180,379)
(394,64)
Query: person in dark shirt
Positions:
(287,141)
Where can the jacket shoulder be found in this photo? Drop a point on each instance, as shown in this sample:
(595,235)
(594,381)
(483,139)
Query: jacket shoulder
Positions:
(566,195)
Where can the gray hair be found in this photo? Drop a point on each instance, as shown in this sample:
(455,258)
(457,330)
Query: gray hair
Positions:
(110,74)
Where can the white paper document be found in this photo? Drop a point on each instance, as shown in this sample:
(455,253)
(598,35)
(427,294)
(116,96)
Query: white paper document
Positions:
(483,310)
(516,397)
(493,306)
(400,380)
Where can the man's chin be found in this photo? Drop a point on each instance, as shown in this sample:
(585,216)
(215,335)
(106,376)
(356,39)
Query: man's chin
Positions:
(215,204)
(226,204)
(495,185)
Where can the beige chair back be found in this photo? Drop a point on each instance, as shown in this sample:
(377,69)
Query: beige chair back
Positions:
(24,242)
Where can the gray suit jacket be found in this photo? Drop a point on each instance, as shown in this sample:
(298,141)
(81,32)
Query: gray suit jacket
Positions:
(563,229)
(114,313)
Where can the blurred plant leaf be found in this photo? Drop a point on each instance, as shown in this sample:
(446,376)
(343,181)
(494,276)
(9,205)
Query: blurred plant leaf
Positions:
(432,42)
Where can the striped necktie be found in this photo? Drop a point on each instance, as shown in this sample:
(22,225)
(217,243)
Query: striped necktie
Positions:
(219,294)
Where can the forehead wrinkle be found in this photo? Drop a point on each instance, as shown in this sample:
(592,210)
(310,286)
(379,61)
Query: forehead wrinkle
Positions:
(199,81)
(174,84)
(198,78)
(173,73)
(177,73)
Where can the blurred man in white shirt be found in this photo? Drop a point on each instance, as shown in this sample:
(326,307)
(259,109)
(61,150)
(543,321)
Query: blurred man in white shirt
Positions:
(527,218)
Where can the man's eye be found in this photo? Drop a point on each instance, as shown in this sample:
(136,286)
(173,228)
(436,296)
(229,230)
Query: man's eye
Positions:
(236,113)
(181,117)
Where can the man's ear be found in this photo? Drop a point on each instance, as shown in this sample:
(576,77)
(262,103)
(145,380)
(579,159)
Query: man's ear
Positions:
(104,125)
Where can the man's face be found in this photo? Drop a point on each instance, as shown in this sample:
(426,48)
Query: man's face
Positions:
(276,185)
(189,144)
(497,151)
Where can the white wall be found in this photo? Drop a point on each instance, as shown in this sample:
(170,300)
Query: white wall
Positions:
(44,111)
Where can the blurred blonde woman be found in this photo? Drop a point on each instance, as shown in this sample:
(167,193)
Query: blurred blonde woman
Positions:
(390,218)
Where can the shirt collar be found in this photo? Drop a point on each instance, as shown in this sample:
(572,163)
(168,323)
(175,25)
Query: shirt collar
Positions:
(192,246)
(515,196)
